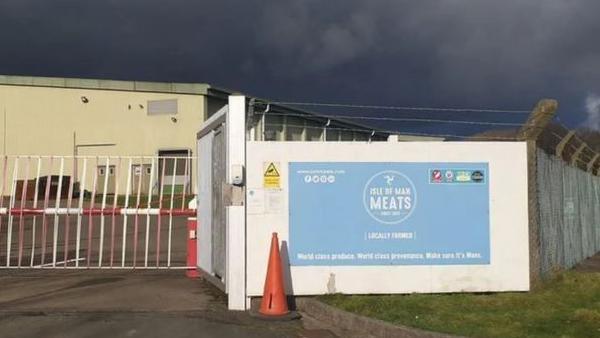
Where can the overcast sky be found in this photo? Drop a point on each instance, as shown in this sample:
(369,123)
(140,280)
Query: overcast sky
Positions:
(491,54)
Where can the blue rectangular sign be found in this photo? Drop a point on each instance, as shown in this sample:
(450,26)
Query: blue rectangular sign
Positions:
(389,213)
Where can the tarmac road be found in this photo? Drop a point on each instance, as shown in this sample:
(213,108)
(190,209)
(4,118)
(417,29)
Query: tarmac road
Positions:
(93,303)
(96,303)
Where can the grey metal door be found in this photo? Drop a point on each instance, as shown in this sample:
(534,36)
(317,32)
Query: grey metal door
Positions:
(141,177)
(218,205)
(106,178)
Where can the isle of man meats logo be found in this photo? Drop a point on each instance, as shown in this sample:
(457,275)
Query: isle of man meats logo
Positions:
(390,197)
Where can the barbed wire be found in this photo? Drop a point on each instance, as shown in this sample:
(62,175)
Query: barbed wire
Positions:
(414,108)
(573,147)
(580,154)
(582,157)
(583,154)
(577,160)
(576,136)
(401,119)
(592,150)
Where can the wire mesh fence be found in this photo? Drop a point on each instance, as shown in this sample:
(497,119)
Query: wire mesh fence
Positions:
(569,213)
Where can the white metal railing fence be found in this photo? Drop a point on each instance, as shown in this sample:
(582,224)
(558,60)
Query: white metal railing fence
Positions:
(94,211)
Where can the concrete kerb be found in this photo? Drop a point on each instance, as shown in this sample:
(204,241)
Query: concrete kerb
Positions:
(355,323)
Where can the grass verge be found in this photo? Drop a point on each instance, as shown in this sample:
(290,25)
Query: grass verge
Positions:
(566,306)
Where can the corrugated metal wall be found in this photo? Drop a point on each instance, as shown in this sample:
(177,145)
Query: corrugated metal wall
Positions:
(569,208)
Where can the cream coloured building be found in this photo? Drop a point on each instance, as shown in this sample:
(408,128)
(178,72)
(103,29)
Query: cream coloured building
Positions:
(58,116)
(92,117)
(85,117)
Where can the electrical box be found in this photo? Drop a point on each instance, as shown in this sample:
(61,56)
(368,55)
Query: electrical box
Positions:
(237,174)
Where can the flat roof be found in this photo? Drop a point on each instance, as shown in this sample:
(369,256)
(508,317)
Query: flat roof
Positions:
(78,83)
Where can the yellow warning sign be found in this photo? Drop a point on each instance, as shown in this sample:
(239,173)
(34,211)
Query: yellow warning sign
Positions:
(271,177)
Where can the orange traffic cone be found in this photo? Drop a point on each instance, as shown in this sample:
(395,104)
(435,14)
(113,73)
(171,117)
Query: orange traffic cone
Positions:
(274,302)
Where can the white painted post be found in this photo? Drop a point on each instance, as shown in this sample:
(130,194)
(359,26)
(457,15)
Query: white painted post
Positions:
(236,215)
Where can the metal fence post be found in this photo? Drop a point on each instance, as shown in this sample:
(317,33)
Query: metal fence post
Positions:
(592,162)
(540,117)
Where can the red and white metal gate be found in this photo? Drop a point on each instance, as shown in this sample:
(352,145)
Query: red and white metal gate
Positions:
(101,212)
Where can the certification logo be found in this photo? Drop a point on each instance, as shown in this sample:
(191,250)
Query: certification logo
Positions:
(477,176)
(456,176)
(390,197)
(449,175)
(436,176)
(441,176)
(463,176)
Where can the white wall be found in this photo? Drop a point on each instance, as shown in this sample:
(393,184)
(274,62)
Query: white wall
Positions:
(509,257)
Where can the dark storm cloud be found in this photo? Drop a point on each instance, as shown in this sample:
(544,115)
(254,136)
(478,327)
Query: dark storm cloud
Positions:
(504,54)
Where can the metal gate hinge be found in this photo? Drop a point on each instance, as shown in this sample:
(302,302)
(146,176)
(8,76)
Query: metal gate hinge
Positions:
(233,195)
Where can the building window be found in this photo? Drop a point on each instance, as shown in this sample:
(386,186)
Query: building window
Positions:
(360,136)
(314,131)
(273,128)
(333,135)
(294,128)
(346,135)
